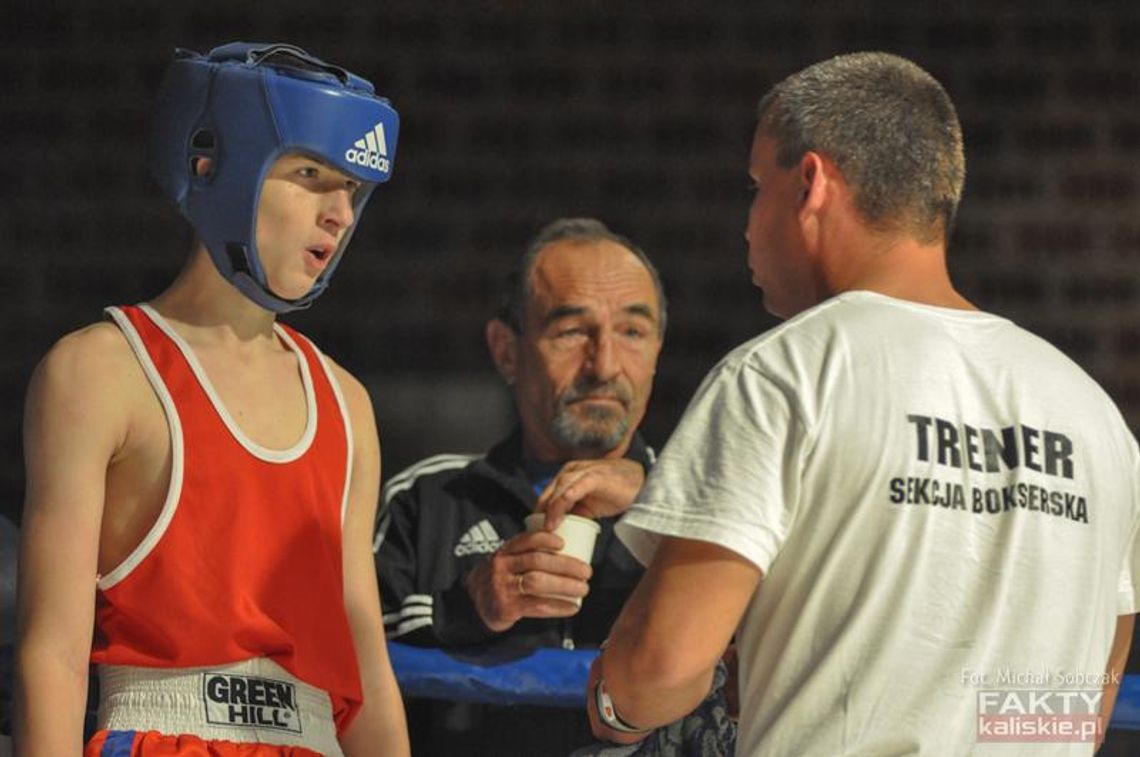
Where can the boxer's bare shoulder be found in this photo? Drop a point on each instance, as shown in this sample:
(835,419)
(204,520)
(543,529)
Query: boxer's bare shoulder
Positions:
(96,438)
(86,375)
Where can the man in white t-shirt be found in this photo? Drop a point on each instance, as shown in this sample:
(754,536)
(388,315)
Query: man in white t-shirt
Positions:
(919,520)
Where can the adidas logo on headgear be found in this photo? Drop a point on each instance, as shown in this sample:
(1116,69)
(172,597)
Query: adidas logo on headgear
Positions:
(371,150)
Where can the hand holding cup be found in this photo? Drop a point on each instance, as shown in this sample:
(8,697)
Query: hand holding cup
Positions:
(578,534)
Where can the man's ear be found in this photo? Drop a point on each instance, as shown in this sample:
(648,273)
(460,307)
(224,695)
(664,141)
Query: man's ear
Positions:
(201,166)
(815,190)
(502,341)
(814,180)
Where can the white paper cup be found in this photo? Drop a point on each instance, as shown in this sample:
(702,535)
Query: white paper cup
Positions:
(579,535)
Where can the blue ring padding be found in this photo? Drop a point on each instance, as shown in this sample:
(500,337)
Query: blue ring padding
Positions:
(557,677)
(118,744)
(1126,713)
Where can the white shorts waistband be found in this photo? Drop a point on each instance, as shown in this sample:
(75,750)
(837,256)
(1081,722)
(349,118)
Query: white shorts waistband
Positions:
(254,701)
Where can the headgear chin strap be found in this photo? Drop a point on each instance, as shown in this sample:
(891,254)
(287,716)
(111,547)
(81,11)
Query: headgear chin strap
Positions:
(243,106)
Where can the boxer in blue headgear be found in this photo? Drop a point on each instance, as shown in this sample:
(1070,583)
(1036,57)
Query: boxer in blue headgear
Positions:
(237,110)
(202,481)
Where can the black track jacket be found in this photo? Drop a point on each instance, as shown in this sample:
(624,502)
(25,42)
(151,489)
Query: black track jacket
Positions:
(442,516)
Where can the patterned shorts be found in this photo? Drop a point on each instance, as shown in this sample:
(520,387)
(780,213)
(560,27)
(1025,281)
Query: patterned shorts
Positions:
(153,744)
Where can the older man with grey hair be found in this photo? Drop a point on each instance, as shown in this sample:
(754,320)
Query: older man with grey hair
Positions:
(576,339)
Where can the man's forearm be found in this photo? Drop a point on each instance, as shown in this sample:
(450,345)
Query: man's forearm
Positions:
(651,681)
(643,694)
(661,656)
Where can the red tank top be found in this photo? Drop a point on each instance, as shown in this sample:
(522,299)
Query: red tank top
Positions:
(245,558)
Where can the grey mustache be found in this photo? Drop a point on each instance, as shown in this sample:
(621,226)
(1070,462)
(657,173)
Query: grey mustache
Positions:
(610,390)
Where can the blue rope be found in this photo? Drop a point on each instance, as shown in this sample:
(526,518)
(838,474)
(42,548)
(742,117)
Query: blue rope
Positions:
(557,677)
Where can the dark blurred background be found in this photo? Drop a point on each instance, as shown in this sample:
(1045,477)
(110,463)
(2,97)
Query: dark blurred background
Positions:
(515,113)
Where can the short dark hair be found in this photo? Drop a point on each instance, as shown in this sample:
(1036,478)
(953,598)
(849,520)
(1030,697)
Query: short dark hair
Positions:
(889,126)
(518,289)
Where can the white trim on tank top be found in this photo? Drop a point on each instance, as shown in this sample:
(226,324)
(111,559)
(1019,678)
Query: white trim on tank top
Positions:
(174,488)
(344,414)
(263,453)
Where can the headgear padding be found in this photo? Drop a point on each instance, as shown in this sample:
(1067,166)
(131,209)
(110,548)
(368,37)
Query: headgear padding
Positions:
(243,106)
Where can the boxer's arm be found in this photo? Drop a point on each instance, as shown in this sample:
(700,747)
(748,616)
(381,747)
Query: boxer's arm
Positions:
(75,421)
(380,727)
(663,648)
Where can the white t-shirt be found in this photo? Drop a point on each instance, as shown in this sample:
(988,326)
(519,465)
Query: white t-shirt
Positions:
(945,511)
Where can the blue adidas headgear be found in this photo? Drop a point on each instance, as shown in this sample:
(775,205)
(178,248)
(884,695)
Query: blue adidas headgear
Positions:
(244,105)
